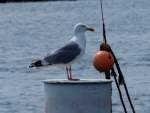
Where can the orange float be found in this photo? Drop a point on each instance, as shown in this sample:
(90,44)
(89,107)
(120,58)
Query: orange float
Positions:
(103,61)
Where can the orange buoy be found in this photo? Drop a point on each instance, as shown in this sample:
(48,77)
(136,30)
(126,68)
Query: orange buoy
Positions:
(103,61)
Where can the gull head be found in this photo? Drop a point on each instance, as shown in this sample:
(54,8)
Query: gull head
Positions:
(81,28)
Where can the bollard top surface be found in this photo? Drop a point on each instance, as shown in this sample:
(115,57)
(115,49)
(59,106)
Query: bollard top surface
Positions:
(81,81)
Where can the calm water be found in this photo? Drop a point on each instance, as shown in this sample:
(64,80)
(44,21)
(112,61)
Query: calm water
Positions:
(28,31)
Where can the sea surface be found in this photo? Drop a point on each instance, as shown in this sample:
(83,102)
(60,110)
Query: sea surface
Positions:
(29,31)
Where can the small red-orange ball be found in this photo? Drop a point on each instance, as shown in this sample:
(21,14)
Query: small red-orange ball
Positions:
(103,61)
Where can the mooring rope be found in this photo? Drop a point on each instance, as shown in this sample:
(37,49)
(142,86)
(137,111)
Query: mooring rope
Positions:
(105,46)
(119,90)
(122,81)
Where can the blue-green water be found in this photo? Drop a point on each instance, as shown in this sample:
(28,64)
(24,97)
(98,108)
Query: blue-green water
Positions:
(29,31)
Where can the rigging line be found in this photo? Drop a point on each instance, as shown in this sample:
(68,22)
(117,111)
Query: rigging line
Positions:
(104,31)
(108,73)
(119,90)
(121,77)
(122,81)
(127,92)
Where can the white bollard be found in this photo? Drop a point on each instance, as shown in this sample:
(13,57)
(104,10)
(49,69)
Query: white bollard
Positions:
(83,96)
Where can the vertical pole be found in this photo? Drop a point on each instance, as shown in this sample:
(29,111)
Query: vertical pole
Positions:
(107,74)
(104,32)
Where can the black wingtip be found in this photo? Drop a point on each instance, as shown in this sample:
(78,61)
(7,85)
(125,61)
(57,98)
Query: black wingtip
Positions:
(36,64)
(31,65)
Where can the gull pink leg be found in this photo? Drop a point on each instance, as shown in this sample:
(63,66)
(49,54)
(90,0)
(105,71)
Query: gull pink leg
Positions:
(70,73)
(67,73)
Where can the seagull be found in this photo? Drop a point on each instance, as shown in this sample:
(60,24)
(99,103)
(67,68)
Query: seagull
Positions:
(69,53)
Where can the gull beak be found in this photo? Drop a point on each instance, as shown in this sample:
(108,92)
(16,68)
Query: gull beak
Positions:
(90,29)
